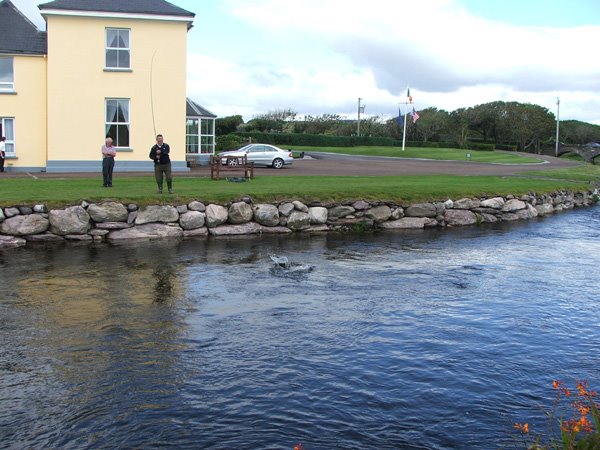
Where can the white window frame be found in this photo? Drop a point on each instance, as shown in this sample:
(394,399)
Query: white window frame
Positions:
(188,145)
(9,143)
(118,49)
(107,124)
(8,86)
(210,147)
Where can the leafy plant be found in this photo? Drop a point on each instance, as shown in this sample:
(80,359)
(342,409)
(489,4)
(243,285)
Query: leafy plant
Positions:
(580,430)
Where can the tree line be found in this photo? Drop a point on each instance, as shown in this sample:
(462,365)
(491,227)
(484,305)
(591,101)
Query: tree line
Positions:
(521,126)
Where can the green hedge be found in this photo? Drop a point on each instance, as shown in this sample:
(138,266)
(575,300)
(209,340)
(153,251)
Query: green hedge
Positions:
(317,140)
(480,147)
(510,148)
(320,140)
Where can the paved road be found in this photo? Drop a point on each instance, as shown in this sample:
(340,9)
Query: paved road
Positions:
(346,165)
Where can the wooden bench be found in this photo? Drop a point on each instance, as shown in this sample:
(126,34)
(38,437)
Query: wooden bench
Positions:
(232,164)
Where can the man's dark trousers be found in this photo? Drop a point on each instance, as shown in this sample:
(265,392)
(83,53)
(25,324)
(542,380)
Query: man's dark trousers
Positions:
(159,170)
(108,164)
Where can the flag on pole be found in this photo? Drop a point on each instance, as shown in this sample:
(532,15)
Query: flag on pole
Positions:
(415,115)
(399,118)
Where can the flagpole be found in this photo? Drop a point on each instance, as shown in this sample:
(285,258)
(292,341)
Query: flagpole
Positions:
(407,102)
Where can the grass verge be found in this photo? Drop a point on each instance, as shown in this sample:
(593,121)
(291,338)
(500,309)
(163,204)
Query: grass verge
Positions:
(401,189)
(446,154)
(585,172)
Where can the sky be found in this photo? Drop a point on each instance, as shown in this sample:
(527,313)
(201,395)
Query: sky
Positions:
(320,56)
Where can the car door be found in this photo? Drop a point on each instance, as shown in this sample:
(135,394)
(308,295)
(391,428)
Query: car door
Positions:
(270,154)
(256,153)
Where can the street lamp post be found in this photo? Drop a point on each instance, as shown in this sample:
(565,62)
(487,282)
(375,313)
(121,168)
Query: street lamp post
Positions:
(361,109)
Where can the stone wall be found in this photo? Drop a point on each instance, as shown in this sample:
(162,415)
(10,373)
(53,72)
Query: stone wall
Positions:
(114,222)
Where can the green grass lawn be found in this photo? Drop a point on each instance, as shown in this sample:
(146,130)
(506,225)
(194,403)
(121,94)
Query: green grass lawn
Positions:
(448,154)
(403,189)
(585,172)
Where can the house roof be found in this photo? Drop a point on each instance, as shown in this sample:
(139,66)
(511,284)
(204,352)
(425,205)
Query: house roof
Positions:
(18,35)
(193,109)
(152,7)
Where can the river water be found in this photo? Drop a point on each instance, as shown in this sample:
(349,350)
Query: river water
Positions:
(420,340)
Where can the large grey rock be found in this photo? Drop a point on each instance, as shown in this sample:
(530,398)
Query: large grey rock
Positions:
(192,220)
(132,216)
(97,232)
(467,203)
(236,230)
(216,215)
(73,220)
(108,212)
(46,237)
(196,206)
(317,229)
(298,221)
(421,210)
(318,215)
(513,205)
(25,210)
(40,209)
(181,209)
(448,204)
(379,213)
(24,225)
(11,212)
(156,214)
(196,232)
(509,217)
(147,231)
(267,215)
(361,205)
(275,230)
(544,208)
(113,225)
(405,223)
(132,207)
(397,213)
(488,218)
(240,212)
(11,242)
(286,209)
(353,223)
(459,217)
(300,206)
(79,237)
(340,211)
(528,213)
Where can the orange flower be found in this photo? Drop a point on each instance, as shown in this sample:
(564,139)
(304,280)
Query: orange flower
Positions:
(522,428)
(583,410)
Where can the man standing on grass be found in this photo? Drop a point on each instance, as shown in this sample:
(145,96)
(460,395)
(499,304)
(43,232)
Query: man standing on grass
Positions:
(108,162)
(2,152)
(162,163)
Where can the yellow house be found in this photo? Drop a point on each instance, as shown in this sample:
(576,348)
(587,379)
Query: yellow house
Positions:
(103,68)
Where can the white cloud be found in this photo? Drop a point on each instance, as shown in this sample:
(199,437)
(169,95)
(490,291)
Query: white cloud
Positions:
(374,49)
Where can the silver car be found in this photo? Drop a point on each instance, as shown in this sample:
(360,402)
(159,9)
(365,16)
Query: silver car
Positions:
(260,155)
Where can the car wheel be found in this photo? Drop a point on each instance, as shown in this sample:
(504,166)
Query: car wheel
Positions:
(278,163)
(232,162)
